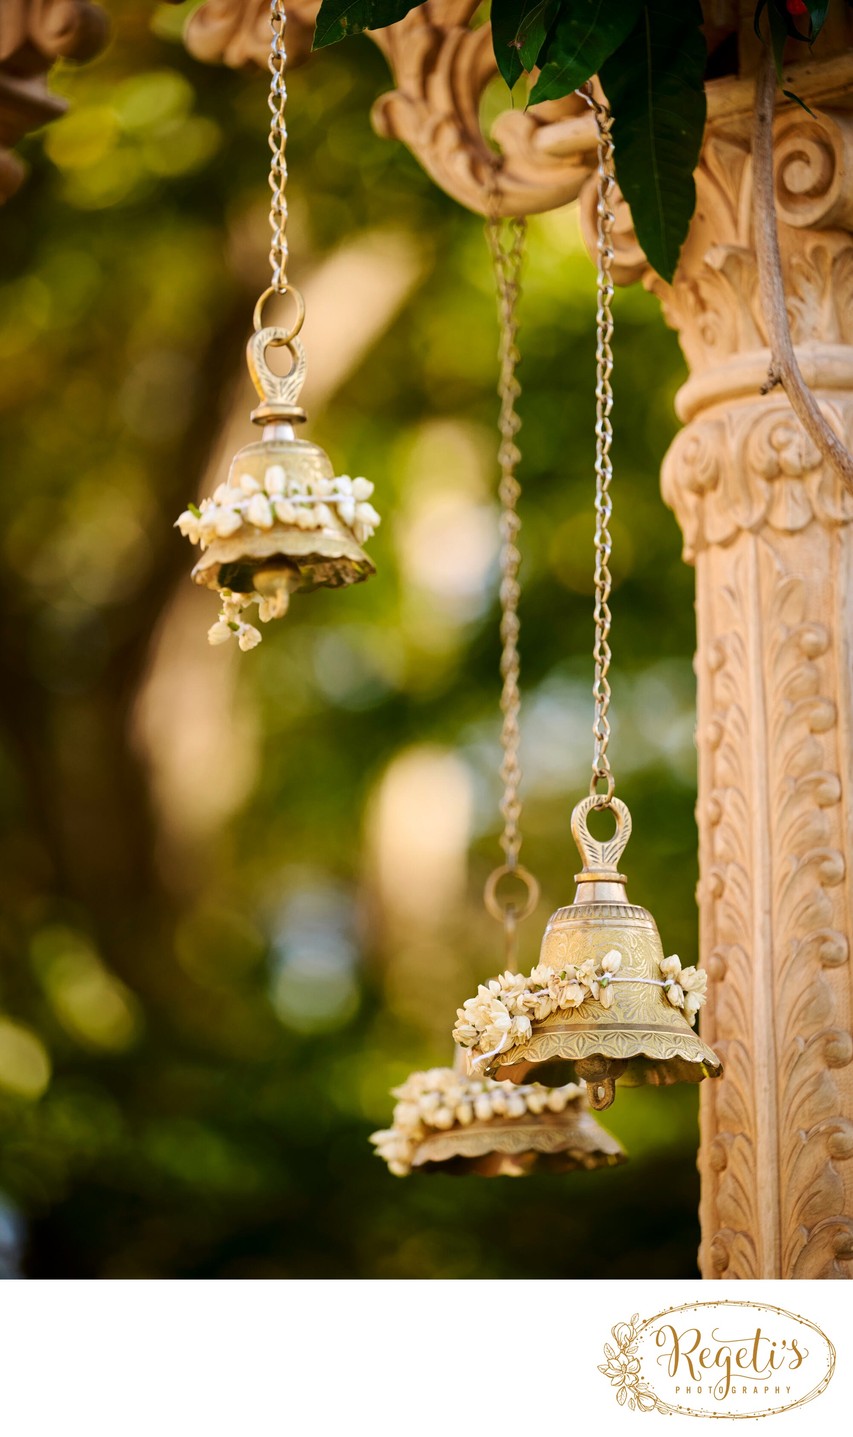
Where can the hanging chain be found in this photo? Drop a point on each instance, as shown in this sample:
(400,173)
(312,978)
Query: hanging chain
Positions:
(507,256)
(507,262)
(278,187)
(278,145)
(601,771)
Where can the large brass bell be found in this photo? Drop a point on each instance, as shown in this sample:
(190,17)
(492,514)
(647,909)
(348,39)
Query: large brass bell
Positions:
(638,1036)
(282,522)
(447,1122)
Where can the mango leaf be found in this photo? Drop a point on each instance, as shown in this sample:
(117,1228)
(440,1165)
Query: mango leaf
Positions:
(586,32)
(816,11)
(519,28)
(339,18)
(654,85)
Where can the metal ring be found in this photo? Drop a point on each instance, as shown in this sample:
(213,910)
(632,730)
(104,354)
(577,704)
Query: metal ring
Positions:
(290,289)
(602,800)
(490,893)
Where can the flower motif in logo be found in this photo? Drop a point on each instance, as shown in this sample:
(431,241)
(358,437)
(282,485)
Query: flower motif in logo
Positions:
(623,1369)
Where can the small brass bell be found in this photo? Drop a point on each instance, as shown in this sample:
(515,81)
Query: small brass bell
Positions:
(447,1122)
(283,522)
(611,1006)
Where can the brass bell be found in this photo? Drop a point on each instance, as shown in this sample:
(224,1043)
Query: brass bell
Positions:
(447,1122)
(282,522)
(627,1026)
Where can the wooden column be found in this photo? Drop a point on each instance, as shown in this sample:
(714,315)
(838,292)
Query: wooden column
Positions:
(768,527)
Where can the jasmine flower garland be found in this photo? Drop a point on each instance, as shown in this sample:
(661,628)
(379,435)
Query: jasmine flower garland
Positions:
(440,1098)
(503,1010)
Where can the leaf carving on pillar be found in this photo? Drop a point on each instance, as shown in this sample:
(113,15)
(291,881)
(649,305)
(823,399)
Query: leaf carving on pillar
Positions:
(745,467)
(773,879)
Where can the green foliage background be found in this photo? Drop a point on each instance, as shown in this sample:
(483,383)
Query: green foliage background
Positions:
(202,1019)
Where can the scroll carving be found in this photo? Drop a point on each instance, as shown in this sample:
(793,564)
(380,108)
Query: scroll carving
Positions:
(441,68)
(34,33)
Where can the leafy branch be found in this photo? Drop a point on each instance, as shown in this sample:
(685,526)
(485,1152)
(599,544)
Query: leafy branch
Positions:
(651,58)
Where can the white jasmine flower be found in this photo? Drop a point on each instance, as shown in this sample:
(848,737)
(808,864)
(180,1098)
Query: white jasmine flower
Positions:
(367,515)
(464,1113)
(220,632)
(284,511)
(249,484)
(323,515)
(274,479)
(515,1105)
(259,512)
(536,1099)
(557,1100)
(228,521)
(274,607)
(189,525)
(304,519)
(573,995)
(694,983)
(249,637)
(483,1107)
(361,488)
(346,509)
(612,961)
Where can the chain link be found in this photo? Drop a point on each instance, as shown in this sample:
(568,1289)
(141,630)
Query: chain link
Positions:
(601,771)
(278,145)
(507,255)
(506,242)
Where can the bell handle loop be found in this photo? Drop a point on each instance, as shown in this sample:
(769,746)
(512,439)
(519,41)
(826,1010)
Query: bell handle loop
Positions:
(279,390)
(501,910)
(601,859)
(299,320)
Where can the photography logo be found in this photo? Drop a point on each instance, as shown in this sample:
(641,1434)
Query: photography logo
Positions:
(718,1359)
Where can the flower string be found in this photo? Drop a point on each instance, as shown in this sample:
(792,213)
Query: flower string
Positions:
(503,1011)
(440,1099)
(239,506)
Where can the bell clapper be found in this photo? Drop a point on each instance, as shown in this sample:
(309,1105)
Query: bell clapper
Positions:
(283,522)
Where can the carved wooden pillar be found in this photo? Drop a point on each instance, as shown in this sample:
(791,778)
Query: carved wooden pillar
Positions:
(770,531)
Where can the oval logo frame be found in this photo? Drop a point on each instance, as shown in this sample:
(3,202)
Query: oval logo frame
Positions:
(737,1358)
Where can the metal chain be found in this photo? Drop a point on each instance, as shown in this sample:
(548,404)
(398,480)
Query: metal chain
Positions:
(601,771)
(506,243)
(507,259)
(278,145)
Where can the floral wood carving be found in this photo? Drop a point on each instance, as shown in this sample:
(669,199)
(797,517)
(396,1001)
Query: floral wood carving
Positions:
(34,33)
(441,67)
(769,530)
(775,907)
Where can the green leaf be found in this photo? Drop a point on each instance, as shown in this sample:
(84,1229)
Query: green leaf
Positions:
(519,28)
(585,34)
(654,85)
(339,18)
(817,14)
